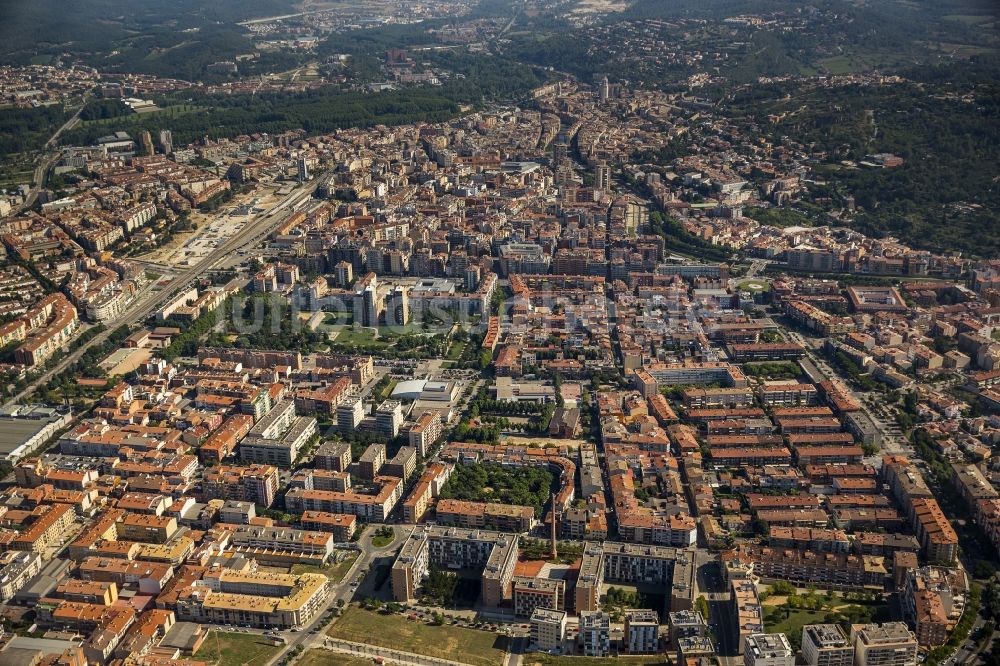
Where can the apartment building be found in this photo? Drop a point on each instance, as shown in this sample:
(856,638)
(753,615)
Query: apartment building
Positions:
(700,398)
(147,577)
(807,538)
(642,631)
(44,526)
(278,437)
(530,593)
(773,351)
(548,629)
(324,399)
(428,487)
(282,546)
(672,374)
(826,645)
(146,528)
(837,570)
(254,483)
(932,527)
(223,442)
(371,461)
(17,567)
(619,562)
(341,526)
(889,644)
(934,599)
(257,599)
(334,456)
(678,529)
(590,578)
(767,650)
(486,515)
(787,395)
(425,432)
(594,637)
(375,505)
(403,464)
(350,413)
(747,614)
(389,418)
(45,329)
(101,593)
(451,547)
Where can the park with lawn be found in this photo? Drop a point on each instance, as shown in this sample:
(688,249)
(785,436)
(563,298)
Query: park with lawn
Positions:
(788,609)
(489,482)
(412,341)
(383,536)
(470,646)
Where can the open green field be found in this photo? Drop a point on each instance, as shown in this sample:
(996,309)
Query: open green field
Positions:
(335,572)
(792,625)
(383,540)
(361,338)
(231,649)
(396,331)
(479,648)
(455,351)
(552,660)
(327,658)
(335,318)
(754,284)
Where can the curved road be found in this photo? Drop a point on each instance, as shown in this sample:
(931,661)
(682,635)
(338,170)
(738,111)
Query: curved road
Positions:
(310,636)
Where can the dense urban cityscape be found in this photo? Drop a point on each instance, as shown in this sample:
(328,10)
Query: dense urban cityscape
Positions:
(499,333)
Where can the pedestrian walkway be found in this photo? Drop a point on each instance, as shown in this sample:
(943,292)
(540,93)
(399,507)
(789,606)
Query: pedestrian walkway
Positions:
(397,656)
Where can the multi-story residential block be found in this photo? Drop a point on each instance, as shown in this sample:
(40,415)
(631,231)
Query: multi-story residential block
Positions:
(374,505)
(403,464)
(17,567)
(278,437)
(334,456)
(642,632)
(889,644)
(146,528)
(264,600)
(350,413)
(594,635)
(389,418)
(282,546)
(371,461)
(488,515)
(341,526)
(826,645)
(425,432)
(548,629)
(451,547)
(685,624)
(767,650)
(428,486)
(934,599)
(254,483)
